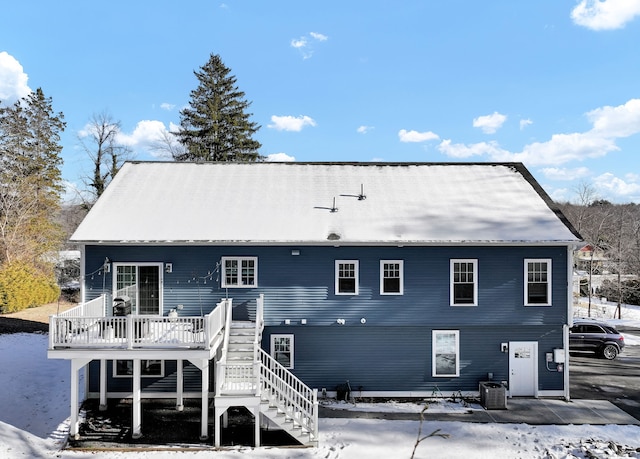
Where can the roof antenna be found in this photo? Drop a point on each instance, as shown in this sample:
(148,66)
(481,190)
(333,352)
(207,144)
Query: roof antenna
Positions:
(361,196)
(330,209)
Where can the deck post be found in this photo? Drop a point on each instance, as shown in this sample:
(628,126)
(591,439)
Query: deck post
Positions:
(256,418)
(76,366)
(103,385)
(204,423)
(180,386)
(137,408)
(75,390)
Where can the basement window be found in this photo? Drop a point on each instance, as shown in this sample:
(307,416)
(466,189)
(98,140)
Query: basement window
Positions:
(446,353)
(282,350)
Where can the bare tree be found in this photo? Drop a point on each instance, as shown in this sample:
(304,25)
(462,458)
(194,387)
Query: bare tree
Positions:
(167,146)
(100,141)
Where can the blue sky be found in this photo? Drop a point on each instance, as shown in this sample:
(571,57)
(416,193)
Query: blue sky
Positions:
(551,83)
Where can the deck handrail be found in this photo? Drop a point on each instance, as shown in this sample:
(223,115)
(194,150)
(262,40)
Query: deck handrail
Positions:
(85,326)
(221,363)
(94,308)
(283,389)
(215,322)
(259,326)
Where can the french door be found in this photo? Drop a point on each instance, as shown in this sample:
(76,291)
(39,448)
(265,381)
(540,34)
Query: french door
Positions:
(142,283)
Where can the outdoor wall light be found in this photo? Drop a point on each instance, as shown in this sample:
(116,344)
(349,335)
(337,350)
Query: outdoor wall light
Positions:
(168,268)
(106,266)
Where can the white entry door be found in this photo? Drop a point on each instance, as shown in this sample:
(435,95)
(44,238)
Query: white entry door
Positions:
(523,368)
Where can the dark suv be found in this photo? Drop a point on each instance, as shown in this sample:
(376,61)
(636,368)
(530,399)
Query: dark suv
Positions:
(589,335)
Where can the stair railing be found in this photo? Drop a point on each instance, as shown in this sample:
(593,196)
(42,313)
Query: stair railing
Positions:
(289,394)
(222,361)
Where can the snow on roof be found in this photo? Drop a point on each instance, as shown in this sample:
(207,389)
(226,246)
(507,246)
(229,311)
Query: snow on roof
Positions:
(282,203)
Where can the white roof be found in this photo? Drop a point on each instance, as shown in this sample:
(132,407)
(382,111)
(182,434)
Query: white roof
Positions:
(291,203)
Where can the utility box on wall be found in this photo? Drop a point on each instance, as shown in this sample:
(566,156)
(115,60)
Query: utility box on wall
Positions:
(493,396)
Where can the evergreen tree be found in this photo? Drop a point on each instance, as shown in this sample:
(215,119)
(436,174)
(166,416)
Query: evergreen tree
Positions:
(215,126)
(30,178)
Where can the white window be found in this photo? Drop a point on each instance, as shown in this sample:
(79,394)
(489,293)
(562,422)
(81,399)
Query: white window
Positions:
(464,283)
(391,277)
(346,277)
(239,272)
(446,353)
(148,368)
(282,350)
(537,287)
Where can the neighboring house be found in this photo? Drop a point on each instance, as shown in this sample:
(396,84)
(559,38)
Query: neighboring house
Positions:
(404,279)
(589,258)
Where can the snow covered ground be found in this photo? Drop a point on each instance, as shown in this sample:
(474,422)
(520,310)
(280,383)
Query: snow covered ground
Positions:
(34,417)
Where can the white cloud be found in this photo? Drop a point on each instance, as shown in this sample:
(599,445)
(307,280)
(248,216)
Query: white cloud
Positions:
(562,148)
(299,43)
(167,106)
(280,157)
(146,133)
(364,129)
(554,173)
(305,44)
(318,36)
(459,150)
(560,194)
(605,14)
(628,188)
(609,124)
(415,136)
(13,80)
(490,123)
(525,123)
(620,121)
(291,123)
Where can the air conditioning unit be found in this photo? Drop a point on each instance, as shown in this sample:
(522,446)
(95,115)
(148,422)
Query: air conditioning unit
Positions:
(493,396)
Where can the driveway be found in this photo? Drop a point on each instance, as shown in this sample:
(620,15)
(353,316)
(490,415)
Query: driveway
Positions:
(617,381)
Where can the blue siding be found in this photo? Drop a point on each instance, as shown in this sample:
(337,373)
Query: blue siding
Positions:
(302,286)
(400,358)
(392,350)
(192,379)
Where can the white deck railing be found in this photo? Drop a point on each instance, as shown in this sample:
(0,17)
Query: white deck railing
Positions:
(283,389)
(86,326)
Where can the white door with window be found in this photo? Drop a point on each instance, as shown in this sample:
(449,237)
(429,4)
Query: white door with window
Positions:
(523,369)
(142,283)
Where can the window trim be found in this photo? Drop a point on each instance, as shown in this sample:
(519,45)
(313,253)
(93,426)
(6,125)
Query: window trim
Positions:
(142,375)
(356,268)
(548,262)
(136,300)
(223,281)
(400,277)
(452,263)
(434,334)
(290,336)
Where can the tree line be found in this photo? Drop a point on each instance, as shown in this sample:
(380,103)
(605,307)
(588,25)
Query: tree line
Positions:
(611,233)
(215,126)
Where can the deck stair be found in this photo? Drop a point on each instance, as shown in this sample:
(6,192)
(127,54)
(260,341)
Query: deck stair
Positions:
(248,376)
